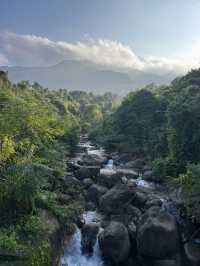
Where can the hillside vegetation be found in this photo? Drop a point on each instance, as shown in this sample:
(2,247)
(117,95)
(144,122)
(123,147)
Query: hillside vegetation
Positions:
(39,131)
(162,124)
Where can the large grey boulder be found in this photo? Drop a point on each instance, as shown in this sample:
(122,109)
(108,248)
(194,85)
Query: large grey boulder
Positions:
(87,182)
(147,175)
(83,172)
(90,206)
(93,160)
(117,198)
(192,253)
(130,174)
(71,180)
(158,235)
(89,234)
(165,263)
(132,230)
(137,164)
(134,212)
(152,262)
(121,158)
(114,243)
(108,177)
(140,200)
(95,192)
(153,202)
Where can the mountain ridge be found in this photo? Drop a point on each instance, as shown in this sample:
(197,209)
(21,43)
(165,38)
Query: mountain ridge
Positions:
(86,76)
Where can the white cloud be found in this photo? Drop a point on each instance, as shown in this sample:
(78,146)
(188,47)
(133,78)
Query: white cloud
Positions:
(3,60)
(163,65)
(30,50)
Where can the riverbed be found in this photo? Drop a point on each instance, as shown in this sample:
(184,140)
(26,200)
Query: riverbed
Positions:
(73,255)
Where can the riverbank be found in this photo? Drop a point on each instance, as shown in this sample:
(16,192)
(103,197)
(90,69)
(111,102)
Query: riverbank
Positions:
(131,221)
(58,205)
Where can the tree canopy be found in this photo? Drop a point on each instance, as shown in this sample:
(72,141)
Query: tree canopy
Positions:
(161,124)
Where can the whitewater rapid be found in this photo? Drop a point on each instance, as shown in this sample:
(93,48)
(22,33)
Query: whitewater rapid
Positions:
(73,255)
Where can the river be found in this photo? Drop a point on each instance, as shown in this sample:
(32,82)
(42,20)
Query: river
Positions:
(72,254)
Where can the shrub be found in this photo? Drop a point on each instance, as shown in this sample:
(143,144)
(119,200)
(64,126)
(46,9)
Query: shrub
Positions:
(164,168)
(8,240)
(190,184)
(32,229)
(68,214)
(41,255)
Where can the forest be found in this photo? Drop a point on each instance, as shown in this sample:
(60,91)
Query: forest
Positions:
(39,131)
(162,125)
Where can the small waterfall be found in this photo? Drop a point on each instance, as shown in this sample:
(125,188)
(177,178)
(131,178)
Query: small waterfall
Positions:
(73,255)
(109,164)
(143,183)
(92,216)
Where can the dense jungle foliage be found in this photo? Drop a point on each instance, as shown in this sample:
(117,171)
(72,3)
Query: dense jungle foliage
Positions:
(162,124)
(39,131)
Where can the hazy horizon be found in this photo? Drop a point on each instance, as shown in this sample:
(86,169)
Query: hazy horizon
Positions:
(159,38)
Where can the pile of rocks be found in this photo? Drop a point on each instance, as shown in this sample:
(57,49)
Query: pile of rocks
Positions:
(137,229)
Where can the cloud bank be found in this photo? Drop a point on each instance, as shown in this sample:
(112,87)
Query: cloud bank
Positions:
(31,50)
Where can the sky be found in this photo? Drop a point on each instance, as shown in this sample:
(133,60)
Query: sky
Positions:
(154,35)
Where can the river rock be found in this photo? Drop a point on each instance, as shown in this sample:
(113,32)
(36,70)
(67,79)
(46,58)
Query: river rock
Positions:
(124,180)
(93,160)
(87,172)
(80,221)
(95,192)
(130,174)
(71,180)
(87,182)
(147,175)
(122,158)
(132,230)
(123,217)
(152,262)
(147,168)
(117,198)
(89,234)
(140,200)
(108,177)
(192,253)
(114,243)
(165,263)
(132,182)
(150,213)
(158,236)
(137,164)
(72,165)
(153,202)
(134,212)
(90,206)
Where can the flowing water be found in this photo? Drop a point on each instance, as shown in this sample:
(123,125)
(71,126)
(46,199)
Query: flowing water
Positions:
(142,183)
(73,255)
(109,165)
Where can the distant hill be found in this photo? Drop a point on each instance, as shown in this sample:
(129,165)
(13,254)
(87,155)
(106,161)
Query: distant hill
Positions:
(83,75)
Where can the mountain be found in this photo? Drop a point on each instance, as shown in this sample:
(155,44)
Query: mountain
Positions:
(84,75)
